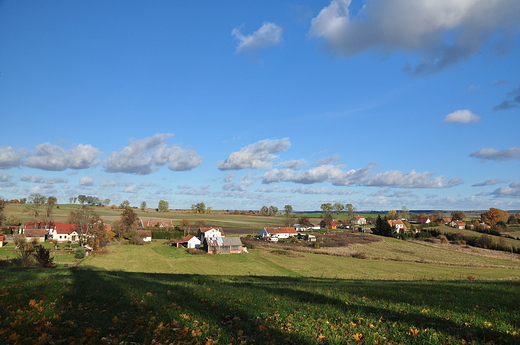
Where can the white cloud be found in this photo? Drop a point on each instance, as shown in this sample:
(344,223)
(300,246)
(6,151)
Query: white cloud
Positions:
(11,157)
(33,179)
(6,180)
(86,181)
(510,191)
(143,157)
(131,189)
(413,179)
(55,158)
(242,186)
(322,190)
(461,116)
(108,183)
(323,173)
(442,32)
(495,155)
(491,182)
(259,155)
(268,35)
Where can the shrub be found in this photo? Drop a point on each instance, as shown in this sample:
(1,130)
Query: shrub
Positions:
(137,240)
(43,258)
(80,253)
(359,255)
(195,251)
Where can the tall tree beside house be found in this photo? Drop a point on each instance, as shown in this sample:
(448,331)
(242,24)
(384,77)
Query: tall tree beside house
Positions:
(49,209)
(128,223)
(35,205)
(383,228)
(185,226)
(326,210)
(494,215)
(2,214)
(392,214)
(289,218)
(305,221)
(351,210)
(91,227)
(338,209)
(458,215)
(163,206)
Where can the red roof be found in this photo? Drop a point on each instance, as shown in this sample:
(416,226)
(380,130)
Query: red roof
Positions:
(38,225)
(185,239)
(65,228)
(35,232)
(2,238)
(157,223)
(281,230)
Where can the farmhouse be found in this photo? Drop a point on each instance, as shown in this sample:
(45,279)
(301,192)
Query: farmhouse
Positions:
(458,224)
(38,234)
(64,232)
(398,224)
(204,233)
(279,232)
(359,220)
(223,245)
(423,220)
(188,241)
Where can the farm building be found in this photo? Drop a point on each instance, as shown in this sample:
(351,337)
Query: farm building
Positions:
(188,241)
(280,232)
(223,245)
(204,233)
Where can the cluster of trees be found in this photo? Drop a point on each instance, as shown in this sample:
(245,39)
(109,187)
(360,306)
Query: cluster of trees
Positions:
(200,208)
(328,209)
(89,200)
(269,211)
(383,228)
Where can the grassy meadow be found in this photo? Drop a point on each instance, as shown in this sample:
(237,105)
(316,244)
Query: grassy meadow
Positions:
(396,292)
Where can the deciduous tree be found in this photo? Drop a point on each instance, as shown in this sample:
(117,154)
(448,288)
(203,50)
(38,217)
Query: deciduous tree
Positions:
(494,215)
(199,207)
(143,206)
(273,211)
(185,226)
(458,215)
(35,205)
(125,204)
(327,210)
(163,206)
(392,214)
(338,209)
(264,211)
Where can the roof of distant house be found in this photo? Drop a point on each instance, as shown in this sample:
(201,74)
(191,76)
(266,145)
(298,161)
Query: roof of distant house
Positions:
(281,230)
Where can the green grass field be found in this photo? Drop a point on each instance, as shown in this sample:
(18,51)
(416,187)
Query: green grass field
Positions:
(403,292)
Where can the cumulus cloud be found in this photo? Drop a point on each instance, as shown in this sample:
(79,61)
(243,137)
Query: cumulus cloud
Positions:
(496,155)
(6,180)
(322,190)
(11,157)
(131,189)
(268,35)
(187,190)
(259,155)
(512,101)
(491,182)
(33,179)
(86,181)
(442,32)
(241,186)
(143,157)
(108,183)
(413,179)
(510,191)
(323,173)
(461,116)
(54,158)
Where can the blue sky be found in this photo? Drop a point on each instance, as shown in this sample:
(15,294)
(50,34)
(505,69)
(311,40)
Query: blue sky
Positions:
(241,104)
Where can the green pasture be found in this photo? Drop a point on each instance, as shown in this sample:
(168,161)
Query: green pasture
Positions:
(84,306)
(389,259)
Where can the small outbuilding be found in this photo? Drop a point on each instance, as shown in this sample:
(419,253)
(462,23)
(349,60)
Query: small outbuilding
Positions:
(223,245)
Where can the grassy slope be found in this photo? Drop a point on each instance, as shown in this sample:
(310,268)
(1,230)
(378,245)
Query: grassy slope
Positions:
(102,307)
(444,264)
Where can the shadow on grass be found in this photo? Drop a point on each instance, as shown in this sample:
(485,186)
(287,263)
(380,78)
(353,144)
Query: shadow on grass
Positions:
(96,307)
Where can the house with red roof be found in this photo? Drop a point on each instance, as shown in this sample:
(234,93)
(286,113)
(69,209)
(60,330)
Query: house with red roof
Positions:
(2,240)
(65,232)
(146,235)
(279,232)
(398,224)
(359,220)
(189,241)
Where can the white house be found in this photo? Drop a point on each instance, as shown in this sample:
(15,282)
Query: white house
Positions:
(398,224)
(188,241)
(204,233)
(359,220)
(280,232)
(146,235)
